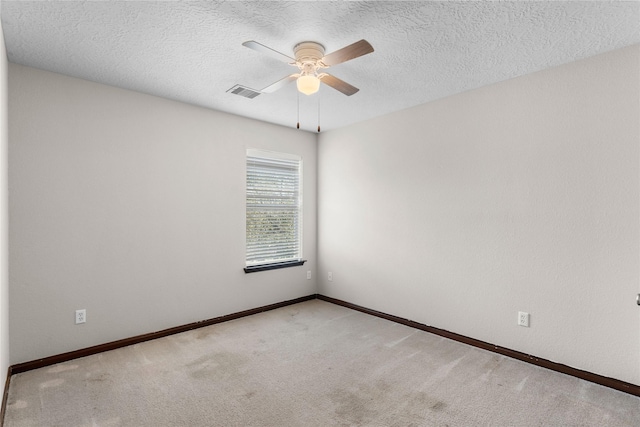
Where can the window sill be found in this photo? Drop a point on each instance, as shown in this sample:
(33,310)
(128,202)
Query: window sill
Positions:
(273,266)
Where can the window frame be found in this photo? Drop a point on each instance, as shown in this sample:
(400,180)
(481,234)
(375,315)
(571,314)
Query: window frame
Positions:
(274,263)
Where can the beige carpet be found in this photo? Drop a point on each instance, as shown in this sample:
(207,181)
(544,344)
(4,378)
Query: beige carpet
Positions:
(310,364)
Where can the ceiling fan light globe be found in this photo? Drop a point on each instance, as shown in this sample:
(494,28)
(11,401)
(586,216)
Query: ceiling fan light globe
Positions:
(308,84)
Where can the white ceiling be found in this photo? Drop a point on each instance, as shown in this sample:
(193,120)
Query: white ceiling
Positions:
(192,51)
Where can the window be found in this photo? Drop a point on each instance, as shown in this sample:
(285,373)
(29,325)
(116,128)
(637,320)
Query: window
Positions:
(274,211)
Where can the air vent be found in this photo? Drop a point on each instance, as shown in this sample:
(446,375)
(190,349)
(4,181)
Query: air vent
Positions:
(244,91)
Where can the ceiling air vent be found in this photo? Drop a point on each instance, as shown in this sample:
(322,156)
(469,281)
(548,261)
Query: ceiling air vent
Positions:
(244,91)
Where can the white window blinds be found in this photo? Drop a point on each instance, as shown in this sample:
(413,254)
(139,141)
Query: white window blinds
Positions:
(274,208)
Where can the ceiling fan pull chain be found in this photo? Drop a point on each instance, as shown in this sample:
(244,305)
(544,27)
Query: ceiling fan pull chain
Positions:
(318,112)
(298,125)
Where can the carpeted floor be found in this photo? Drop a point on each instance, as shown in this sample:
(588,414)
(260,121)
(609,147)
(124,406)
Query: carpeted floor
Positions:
(309,364)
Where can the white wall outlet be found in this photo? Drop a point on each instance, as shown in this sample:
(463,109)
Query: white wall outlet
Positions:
(81,316)
(308,274)
(330,276)
(523,319)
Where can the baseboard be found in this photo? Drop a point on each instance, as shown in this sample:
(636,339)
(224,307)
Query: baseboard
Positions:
(558,367)
(5,396)
(65,357)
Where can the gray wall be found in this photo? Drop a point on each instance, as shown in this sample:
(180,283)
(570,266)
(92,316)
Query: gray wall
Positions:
(4,215)
(521,196)
(132,207)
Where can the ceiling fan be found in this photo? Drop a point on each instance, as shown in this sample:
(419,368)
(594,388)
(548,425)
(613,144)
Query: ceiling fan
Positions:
(310,60)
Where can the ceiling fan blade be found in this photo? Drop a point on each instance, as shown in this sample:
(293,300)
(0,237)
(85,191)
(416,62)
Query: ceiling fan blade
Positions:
(268,51)
(347,53)
(337,84)
(280,84)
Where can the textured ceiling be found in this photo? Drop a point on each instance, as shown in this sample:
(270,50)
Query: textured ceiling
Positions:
(192,51)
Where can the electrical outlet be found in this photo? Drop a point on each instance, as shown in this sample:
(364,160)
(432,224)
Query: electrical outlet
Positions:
(330,276)
(308,274)
(523,319)
(81,316)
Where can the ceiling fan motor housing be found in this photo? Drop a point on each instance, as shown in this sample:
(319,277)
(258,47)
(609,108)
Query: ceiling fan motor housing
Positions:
(308,53)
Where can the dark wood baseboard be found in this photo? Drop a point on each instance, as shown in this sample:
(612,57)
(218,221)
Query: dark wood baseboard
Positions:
(5,395)
(65,357)
(558,367)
